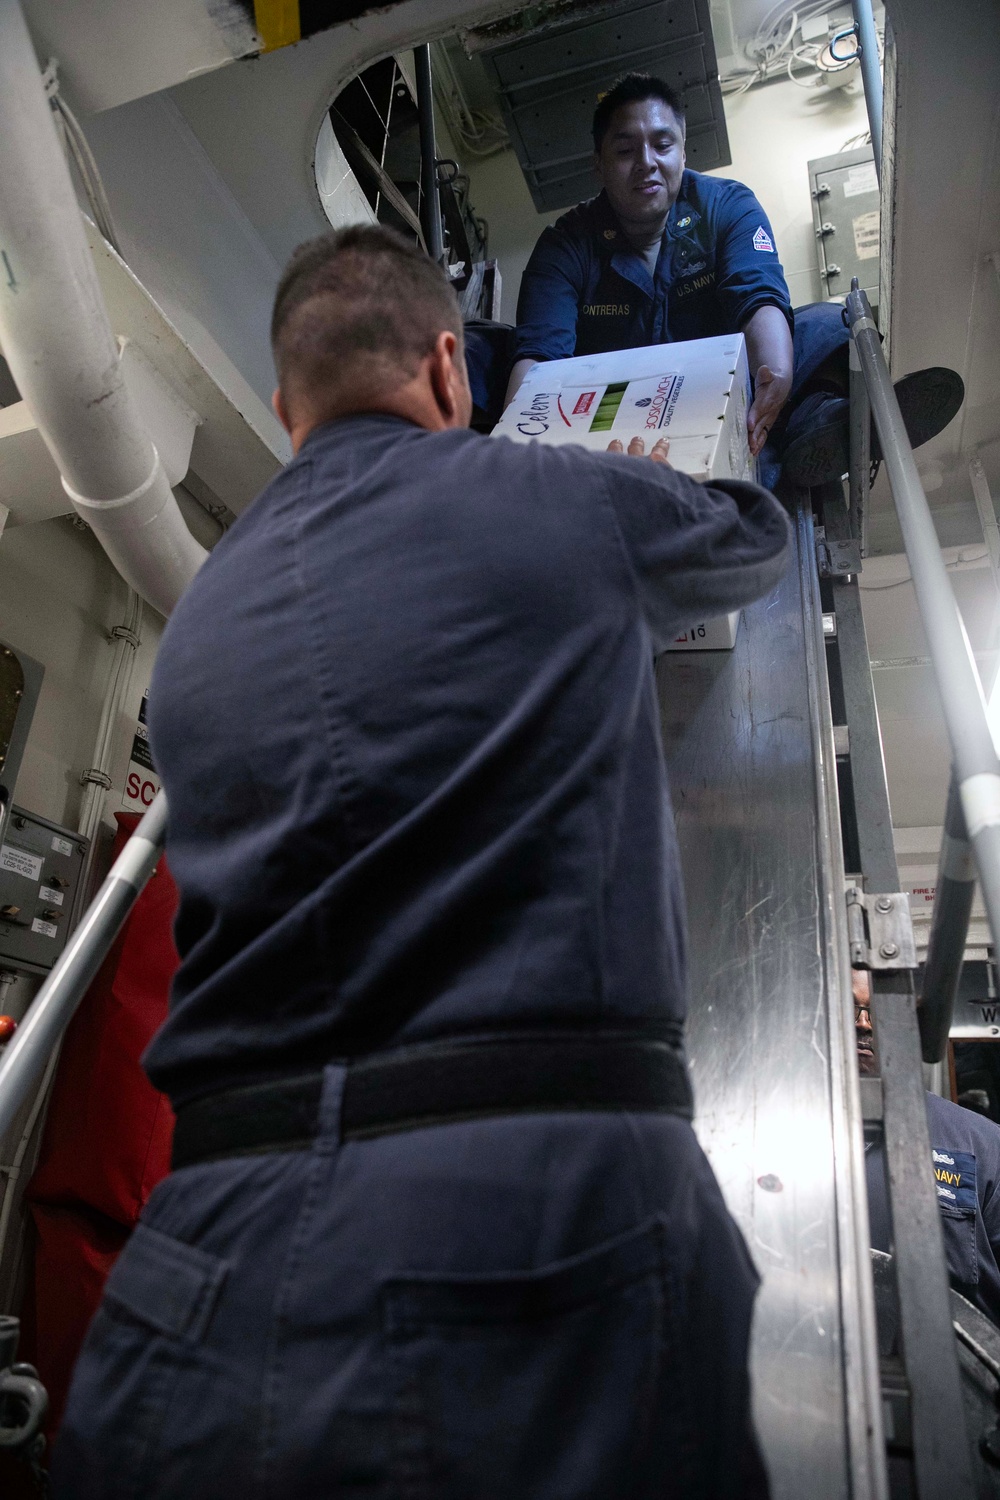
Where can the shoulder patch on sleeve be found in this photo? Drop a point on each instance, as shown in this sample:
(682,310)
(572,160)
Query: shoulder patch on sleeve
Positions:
(762,240)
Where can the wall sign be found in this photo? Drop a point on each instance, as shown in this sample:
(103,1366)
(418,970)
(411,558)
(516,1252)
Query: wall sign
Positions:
(141,780)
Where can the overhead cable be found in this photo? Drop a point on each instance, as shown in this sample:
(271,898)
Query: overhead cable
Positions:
(81,155)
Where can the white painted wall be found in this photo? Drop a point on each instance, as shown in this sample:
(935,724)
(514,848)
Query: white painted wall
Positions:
(774,132)
(59,599)
(914,740)
(190,242)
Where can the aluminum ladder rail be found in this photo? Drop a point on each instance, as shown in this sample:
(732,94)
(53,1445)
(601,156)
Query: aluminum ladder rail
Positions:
(956,863)
(977,768)
(953,896)
(867,54)
(928,1348)
(53,1007)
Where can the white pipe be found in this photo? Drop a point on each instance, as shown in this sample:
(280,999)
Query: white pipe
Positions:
(96,780)
(58,341)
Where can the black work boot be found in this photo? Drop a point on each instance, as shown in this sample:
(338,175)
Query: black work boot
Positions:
(817,439)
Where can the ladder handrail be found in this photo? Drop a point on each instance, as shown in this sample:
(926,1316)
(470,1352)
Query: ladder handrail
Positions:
(953,896)
(871,77)
(52,1009)
(977,769)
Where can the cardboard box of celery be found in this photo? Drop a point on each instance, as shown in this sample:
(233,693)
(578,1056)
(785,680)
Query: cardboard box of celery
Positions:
(694,394)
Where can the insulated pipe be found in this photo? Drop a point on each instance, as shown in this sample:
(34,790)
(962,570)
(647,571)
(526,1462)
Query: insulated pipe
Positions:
(956,887)
(96,780)
(52,1008)
(871,75)
(430,198)
(977,770)
(57,339)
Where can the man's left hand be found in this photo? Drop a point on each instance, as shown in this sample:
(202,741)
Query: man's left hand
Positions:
(770,394)
(637,449)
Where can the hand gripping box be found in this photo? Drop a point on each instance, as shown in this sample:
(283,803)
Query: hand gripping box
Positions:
(695,394)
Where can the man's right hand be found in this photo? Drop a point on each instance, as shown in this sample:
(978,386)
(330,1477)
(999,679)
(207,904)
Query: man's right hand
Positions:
(517,377)
(637,449)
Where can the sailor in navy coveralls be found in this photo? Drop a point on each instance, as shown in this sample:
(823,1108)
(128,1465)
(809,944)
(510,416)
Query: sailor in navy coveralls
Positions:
(965,1162)
(664,254)
(439,1226)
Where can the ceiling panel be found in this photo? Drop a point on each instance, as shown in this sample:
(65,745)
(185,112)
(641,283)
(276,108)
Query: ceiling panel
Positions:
(549,82)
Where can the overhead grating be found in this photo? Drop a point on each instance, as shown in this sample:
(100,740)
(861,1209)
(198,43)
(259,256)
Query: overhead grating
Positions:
(549,81)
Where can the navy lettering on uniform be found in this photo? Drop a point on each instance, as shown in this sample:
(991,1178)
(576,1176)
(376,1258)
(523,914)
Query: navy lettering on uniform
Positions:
(696,284)
(954,1179)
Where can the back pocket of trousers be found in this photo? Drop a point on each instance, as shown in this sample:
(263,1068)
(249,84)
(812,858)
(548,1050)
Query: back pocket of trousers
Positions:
(547,1383)
(156,1309)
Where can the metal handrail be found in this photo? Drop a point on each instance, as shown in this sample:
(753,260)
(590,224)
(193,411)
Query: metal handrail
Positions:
(53,1007)
(977,769)
(871,77)
(953,895)
(430,198)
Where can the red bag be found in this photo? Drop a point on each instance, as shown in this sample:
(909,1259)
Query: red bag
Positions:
(107,1136)
(74,1253)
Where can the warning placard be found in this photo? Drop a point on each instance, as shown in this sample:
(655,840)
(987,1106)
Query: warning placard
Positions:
(866,233)
(141,780)
(860,180)
(20,862)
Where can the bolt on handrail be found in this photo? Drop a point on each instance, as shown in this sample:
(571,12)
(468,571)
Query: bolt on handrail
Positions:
(53,1007)
(976,767)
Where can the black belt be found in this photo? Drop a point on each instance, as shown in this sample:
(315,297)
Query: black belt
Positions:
(439,1083)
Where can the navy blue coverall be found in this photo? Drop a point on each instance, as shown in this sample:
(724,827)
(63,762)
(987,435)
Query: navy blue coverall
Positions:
(965,1161)
(407,724)
(585,290)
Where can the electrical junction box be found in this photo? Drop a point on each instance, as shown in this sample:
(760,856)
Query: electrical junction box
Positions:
(696,394)
(846,213)
(40,869)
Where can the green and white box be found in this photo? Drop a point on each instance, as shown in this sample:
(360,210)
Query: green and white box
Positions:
(695,394)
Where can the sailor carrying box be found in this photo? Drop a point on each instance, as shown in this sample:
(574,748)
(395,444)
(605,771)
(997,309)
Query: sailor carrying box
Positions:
(695,395)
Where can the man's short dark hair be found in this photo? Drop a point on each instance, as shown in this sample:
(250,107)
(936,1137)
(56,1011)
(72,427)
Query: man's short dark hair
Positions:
(633,88)
(358,305)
